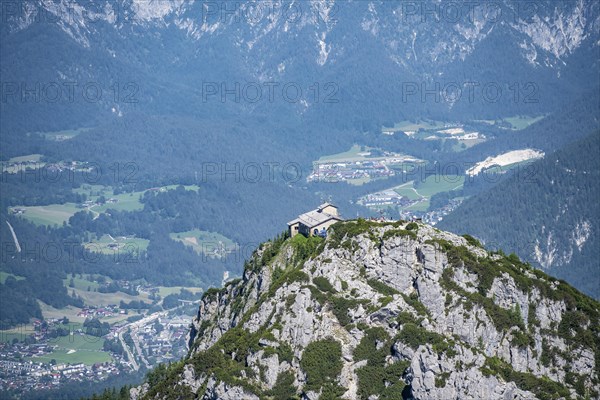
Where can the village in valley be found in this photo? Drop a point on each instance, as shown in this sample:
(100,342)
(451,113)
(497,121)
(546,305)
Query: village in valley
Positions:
(410,199)
(360,165)
(122,328)
(48,353)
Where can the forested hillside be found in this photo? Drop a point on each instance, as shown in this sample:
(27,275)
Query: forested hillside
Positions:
(549,216)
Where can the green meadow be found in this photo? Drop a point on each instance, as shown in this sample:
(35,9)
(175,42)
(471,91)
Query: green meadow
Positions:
(5,275)
(63,135)
(521,122)
(75,349)
(53,214)
(435,184)
(118,245)
(164,291)
(351,155)
(204,242)
(407,191)
(439,183)
(27,158)
(81,283)
(422,191)
(408,126)
(56,214)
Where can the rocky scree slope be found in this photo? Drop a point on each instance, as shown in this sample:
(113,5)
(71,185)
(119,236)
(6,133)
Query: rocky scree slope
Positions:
(387,311)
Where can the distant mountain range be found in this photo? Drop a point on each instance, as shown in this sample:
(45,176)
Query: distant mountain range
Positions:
(380,60)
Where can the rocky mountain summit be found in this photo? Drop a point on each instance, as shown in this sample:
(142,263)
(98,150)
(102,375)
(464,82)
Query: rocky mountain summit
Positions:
(387,310)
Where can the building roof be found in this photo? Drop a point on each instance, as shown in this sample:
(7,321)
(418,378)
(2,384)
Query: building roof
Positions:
(324,205)
(315,217)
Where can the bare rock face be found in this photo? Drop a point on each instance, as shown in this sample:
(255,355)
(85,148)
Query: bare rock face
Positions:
(221,391)
(137,392)
(388,311)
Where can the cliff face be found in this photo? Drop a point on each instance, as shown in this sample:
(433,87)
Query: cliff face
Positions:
(388,311)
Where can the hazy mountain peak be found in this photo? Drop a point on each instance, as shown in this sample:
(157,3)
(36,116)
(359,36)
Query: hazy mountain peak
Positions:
(148,10)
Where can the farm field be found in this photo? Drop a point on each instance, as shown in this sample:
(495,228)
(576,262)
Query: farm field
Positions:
(420,193)
(5,275)
(63,135)
(56,214)
(351,155)
(194,188)
(70,312)
(75,349)
(81,283)
(421,205)
(204,242)
(435,184)
(164,291)
(19,332)
(412,196)
(124,201)
(407,190)
(361,153)
(359,181)
(21,163)
(521,122)
(27,158)
(126,247)
(97,299)
(439,183)
(411,126)
(441,131)
(92,190)
(468,143)
(53,214)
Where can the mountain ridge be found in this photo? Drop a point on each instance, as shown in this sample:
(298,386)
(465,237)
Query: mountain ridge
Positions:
(388,309)
(553,45)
